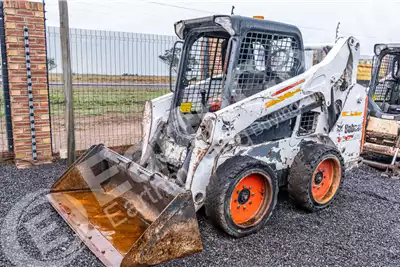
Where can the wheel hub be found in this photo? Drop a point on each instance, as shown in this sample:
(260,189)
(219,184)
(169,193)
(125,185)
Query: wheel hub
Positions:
(318,178)
(250,199)
(326,180)
(244,196)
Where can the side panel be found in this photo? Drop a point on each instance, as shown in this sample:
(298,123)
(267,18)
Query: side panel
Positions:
(278,154)
(348,131)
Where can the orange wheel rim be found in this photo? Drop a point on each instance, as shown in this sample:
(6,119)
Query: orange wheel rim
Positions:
(250,199)
(326,180)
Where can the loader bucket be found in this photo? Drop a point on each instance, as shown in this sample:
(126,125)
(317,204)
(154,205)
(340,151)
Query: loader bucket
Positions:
(125,214)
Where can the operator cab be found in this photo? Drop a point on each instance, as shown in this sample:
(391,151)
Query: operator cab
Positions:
(384,93)
(226,59)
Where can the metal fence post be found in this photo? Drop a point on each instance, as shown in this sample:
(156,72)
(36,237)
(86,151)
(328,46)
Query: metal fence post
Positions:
(67,71)
(47,75)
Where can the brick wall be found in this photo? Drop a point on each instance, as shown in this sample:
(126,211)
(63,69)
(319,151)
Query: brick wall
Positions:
(17,15)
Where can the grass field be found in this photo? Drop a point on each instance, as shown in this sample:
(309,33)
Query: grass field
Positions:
(97,78)
(98,101)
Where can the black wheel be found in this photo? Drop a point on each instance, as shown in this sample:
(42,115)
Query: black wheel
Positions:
(241,196)
(315,176)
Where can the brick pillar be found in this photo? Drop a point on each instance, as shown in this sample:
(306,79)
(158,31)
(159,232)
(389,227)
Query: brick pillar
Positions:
(17,15)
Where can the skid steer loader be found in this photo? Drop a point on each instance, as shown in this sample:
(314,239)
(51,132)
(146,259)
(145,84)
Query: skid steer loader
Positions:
(381,148)
(243,119)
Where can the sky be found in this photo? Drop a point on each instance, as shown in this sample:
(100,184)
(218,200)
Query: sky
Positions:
(371,21)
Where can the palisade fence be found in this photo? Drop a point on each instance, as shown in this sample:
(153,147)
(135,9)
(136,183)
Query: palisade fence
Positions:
(308,59)
(114,73)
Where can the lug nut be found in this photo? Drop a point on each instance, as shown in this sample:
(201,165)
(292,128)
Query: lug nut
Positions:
(238,206)
(244,186)
(235,200)
(251,202)
(253,194)
(244,207)
(250,187)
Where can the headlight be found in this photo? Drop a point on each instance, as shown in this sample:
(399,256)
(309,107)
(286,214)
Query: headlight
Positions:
(207,129)
(226,23)
(379,48)
(179,28)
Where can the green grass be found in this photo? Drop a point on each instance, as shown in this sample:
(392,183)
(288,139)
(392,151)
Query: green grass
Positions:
(98,101)
(92,101)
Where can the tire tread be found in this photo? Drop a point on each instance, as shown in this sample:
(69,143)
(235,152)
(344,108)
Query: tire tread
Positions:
(301,172)
(221,180)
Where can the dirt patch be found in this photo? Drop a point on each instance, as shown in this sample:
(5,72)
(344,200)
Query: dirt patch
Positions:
(109,129)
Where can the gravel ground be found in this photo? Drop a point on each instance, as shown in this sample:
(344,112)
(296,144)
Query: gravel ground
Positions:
(361,228)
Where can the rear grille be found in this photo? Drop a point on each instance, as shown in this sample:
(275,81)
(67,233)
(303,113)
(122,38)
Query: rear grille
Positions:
(308,123)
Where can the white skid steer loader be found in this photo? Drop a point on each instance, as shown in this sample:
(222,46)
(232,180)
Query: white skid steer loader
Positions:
(243,120)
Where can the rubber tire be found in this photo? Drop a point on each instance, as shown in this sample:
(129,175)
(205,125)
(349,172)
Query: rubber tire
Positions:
(219,190)
(302,170)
